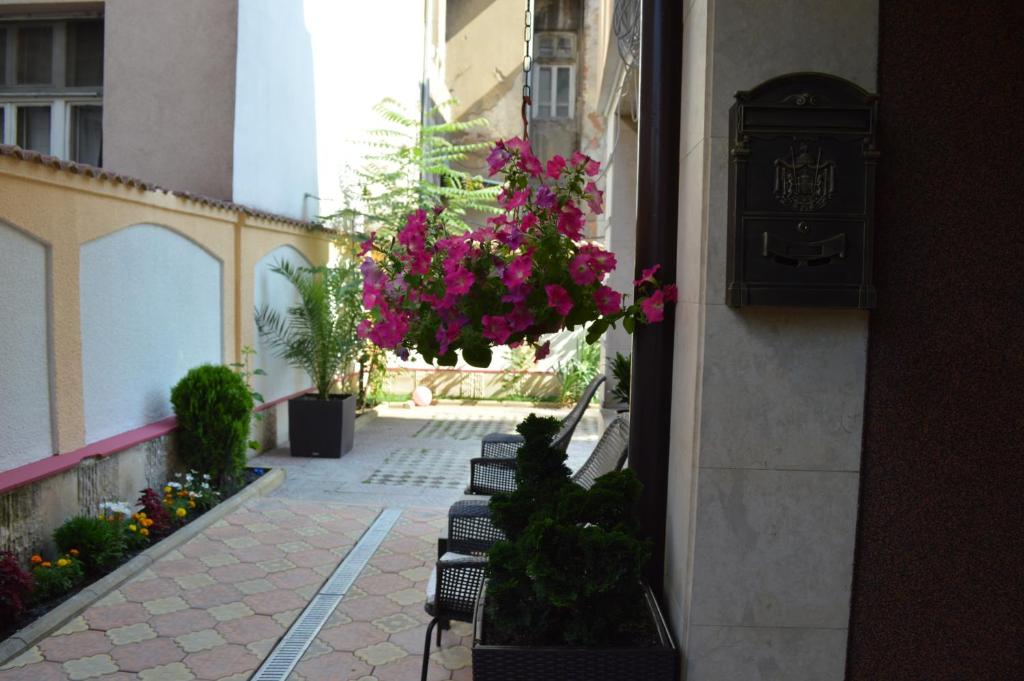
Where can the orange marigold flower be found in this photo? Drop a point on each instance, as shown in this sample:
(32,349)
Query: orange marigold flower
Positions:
(37,559)
(147,522)
(46,563)
(73,552)
(144,532)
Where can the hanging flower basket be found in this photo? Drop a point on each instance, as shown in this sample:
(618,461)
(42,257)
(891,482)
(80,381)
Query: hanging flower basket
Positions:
(528,273)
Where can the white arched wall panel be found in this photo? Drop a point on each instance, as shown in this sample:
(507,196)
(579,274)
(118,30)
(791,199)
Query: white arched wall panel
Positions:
(151,307)
(26,424)
(270,288)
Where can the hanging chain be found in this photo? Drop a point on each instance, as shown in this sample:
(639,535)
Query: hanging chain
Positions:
(527,68)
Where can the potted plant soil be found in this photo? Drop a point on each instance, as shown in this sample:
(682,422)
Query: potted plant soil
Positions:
(563,598)
(319,336)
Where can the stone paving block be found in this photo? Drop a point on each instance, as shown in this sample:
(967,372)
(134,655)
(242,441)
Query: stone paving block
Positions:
(295,578)
(113,598)
(200,640)
(396,623)
(230,611)
(178,567)
(383,584)
(369,608)
(135,657)
(286,618)
(276,565)
(248,629)
(196,581)
(408,596)
(337,665)
(239,543)
(73,646)
(380,654)
(254,586)
(273,602)
(215,560)
(209,596)
(110,617)
(452,657)
(350,637)
(229,574)
(408,669)
(77,624)
(420,573)
(141,591)
(182,622)
(215,664)
(162,606)
(169,672)
(132,633)
(89,667)
(262,648)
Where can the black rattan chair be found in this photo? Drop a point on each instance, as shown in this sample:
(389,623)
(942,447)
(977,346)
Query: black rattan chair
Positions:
(451,595)
(469,521)
(505,445)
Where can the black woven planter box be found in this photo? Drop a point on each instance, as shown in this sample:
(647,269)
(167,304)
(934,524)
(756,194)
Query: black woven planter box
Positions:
(321,428)
(516,663)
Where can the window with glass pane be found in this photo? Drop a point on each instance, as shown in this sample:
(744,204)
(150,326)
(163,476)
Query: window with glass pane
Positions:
(565,49)
(544,92)
(34,128)
(3,130)
(87,134)
(35,55)
(562,93)
(85,53)
(545,46)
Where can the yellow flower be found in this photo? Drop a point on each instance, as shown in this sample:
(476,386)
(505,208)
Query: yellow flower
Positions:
(167,490)
(132,527)
(63,562)
(191,504)
(181,513)
(142,516)
(144,532)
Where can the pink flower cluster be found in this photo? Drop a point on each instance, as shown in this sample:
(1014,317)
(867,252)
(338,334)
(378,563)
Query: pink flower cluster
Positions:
(527,272)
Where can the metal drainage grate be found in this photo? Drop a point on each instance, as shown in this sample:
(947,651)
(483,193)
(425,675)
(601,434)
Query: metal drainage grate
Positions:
(283,658)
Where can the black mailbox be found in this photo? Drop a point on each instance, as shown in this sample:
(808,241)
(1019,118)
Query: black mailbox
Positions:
(801,193)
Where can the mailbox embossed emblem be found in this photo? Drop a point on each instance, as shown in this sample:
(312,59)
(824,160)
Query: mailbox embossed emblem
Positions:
(803,182)
(801,193)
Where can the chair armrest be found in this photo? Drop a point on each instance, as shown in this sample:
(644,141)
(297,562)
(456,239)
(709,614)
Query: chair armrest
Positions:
(500,445)
(491,475)
(454,586)
(470,530)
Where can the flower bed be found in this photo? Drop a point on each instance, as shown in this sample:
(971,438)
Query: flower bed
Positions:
(90,547)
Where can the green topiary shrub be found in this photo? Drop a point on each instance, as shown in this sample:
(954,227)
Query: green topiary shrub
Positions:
(214,408)
(98,543)
(570,572)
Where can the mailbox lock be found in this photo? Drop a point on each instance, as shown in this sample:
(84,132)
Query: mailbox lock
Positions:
(803,227)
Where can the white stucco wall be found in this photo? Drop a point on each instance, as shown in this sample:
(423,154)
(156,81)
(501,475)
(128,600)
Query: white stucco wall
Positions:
(151,307)
(308,74)
(270,288)
(275,161)
(25,421)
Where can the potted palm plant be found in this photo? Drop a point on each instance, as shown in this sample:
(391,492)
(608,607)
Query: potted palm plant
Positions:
(319,336)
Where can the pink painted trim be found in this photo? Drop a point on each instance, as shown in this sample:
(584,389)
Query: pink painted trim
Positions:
(273,403)
(52,465)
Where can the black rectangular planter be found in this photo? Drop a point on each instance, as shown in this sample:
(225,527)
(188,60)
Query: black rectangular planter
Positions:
(565,663)
(321,428)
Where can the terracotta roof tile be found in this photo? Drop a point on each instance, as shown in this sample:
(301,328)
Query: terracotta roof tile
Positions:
(104,174)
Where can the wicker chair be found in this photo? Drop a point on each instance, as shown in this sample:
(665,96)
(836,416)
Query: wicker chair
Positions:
(451,595)
(469,521)
(505,445)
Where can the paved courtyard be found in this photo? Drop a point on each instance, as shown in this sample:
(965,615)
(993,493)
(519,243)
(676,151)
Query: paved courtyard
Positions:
(214,608)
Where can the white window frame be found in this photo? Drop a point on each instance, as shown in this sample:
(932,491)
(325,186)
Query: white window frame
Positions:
(59,97)
(534,110)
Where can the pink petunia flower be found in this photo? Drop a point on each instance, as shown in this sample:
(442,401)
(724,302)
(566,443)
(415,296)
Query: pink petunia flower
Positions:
(497,159)
(596,198)
(581,270)
(654,307)
(671,293)
(530,164)
(520,319)
(367,245)
(648,276)
(542,351)
(529,222)
(496,328)
(459,281)
(555,167)
(558,299)
(546,198)
(608,300)
(518,271)
(593,167)
(571,221)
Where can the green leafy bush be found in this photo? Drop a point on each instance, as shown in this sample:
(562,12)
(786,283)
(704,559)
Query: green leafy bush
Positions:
(98,543)
(622,370)
(570,570)
(15,585)
(214,408)
(54,579)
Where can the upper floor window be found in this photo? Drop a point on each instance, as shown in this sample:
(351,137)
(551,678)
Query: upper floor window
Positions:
(51,87)
(555,84)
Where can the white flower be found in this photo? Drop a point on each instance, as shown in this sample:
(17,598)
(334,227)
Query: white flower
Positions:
(175,485)
(116,508)
(206,476)
(188,477)
(206,485)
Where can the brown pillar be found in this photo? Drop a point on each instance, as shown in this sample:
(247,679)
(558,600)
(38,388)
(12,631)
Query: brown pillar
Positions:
(657,200)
